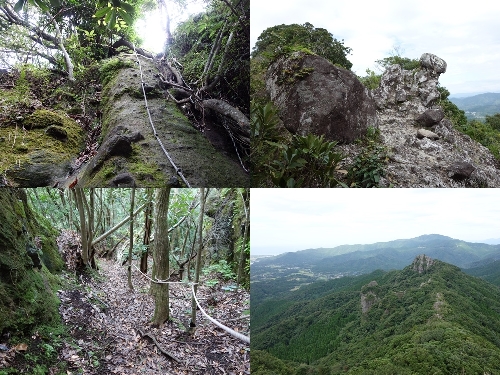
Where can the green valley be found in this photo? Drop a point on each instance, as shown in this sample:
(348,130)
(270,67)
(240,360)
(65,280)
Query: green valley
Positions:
(428,318)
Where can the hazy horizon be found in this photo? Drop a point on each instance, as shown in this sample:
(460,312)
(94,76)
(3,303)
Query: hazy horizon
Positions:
(262,251)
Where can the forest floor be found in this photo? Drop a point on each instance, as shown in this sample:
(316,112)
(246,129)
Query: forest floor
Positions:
(112,334)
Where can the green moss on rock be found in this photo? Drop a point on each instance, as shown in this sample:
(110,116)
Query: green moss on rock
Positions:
(27,295)
(110,68)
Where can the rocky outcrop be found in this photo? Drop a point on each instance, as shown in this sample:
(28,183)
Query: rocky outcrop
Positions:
(422,263)
(369,296)
(424,148)
(43,151)
(413,91)
(314,96)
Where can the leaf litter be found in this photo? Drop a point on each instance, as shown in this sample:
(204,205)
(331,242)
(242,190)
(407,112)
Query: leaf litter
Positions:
(111,329)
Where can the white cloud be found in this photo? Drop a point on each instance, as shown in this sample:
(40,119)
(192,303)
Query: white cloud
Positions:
(464,34)
(296,219)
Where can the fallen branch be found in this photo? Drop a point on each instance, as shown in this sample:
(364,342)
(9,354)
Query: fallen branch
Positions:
(165,353)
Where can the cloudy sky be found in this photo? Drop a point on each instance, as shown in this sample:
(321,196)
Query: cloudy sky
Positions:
(464,34)
(297,219)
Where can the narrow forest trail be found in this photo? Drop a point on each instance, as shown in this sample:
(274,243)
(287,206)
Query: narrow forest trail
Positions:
(104,321)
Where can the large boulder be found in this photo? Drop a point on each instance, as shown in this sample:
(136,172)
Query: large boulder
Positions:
(314,96)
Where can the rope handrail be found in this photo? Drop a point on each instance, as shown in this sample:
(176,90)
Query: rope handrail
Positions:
(232,332)
(159,281)
(177,169)
(220,325)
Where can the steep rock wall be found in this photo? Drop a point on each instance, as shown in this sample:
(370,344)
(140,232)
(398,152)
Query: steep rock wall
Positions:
(28,255)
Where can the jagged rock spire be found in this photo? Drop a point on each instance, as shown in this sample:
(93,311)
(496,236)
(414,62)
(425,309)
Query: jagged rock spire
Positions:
(422,263)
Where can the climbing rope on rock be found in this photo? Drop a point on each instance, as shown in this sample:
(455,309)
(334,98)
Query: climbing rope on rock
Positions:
(177,169)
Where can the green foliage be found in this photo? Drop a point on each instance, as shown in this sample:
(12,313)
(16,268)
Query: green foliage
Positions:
(405,62)
(42,4)
(451,111)
(309,161)
(438,322)
(264,132)
(485,133)
(263,363)
(193,43)
(302,161)
(282,40)
(493,121)
(258,91)
(223,268)
(116,15)
(371,80)
(368,167)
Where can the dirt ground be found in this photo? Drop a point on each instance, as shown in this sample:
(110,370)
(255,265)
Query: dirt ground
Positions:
(108,321)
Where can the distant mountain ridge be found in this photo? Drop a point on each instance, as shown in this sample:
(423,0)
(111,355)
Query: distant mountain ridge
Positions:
(357,259)
(478,106)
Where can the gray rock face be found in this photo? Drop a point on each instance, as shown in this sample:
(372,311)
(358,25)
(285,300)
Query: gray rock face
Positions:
(314,96)
(443,157)
(422,263)
(426,162)
(461,170)
(423,133)
(410,91)
(369,296)
(433,63)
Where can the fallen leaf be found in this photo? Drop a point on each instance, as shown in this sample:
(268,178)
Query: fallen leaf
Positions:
(21,347)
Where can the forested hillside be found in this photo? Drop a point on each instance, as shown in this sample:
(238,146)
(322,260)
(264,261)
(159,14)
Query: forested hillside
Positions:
(115,280)
(428,318)
(479,106)
(83,104)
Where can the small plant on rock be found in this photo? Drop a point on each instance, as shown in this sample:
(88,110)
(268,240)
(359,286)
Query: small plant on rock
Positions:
(368,166)
(310,161)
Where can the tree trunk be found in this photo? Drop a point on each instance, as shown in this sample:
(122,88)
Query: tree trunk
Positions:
(241,263)
(67,59)
(198,257)
(161,257)
(228,110)
(131,241)
(117,226)
(79,197)
(147,231)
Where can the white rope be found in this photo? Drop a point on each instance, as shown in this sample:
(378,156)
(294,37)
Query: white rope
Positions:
(220,325)
(160,281)
(177,169)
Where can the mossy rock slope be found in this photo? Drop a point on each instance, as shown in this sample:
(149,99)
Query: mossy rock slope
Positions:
(129,153)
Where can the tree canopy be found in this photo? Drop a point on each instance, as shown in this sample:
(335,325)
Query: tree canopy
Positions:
(282,39)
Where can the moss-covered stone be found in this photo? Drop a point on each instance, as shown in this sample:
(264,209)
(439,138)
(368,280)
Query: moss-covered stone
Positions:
(26,293)
(123,107)
(110,68)
(48,141)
